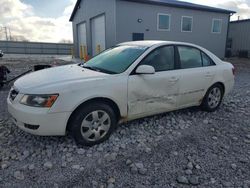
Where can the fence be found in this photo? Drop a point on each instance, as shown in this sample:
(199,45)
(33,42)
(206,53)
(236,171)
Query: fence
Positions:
(11,47)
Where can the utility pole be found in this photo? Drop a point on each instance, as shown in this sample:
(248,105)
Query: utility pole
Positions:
(6,33)
(10,35)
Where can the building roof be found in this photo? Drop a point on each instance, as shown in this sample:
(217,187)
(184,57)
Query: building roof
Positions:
(240,21)
(172,3)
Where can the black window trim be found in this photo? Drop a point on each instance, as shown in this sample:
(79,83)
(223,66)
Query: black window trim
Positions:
(201,51)
(133,72)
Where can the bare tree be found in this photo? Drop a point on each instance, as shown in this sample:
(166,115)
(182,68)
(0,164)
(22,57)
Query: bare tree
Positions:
(65,41)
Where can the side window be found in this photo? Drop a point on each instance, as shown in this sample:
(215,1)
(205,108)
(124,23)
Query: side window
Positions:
(162,59)
(186,24)
(163,22)
(216,26)
(189,57)
(206,60)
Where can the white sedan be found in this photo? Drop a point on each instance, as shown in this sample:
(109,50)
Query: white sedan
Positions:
(129,81)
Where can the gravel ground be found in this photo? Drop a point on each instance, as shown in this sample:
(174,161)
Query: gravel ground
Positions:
(179,149)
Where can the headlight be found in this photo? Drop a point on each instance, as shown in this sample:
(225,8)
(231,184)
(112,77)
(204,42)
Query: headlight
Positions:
(44,101)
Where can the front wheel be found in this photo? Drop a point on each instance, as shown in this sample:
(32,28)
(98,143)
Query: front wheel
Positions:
(92,124)
(213,98)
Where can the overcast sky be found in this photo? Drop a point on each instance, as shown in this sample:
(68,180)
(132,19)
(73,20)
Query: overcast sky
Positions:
(48,20)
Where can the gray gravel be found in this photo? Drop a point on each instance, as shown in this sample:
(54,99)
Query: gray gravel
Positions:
(186,148)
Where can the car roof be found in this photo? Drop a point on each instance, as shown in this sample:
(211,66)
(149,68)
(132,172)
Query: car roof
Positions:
(153,43)
(150,43)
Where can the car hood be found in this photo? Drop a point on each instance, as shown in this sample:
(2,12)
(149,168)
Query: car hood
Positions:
(56,77)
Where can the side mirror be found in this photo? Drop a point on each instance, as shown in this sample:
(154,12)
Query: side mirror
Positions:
(145,69)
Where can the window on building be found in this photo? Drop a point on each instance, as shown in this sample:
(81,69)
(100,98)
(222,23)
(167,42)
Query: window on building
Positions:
(189,57)
(186,24)
(216,26)
(206,60)
(162,59)
(163,23)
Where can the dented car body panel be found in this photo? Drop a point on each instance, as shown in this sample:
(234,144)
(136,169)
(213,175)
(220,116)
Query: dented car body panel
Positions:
(149,94)
(136,95)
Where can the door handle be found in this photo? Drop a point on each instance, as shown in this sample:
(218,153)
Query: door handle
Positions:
(209,74)
(174,79)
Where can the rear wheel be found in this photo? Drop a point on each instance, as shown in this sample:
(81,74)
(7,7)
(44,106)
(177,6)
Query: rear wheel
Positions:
(213,98)
(92,124)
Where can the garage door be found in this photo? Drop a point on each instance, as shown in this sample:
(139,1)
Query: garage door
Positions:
(98,34)
(82,39)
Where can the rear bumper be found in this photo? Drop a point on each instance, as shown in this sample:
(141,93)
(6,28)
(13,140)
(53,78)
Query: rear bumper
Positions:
(45,123)
(229,86)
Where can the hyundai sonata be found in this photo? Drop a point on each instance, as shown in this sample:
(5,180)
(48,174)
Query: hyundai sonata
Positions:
(129,81)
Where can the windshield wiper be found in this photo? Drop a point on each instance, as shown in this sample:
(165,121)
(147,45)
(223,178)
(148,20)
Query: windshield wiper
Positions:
(91,68)
(96,69)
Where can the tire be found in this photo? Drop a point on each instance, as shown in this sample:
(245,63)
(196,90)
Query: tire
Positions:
(213,98)
(92,124)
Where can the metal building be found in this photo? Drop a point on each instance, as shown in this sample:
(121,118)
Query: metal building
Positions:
(100,24)
(239,37)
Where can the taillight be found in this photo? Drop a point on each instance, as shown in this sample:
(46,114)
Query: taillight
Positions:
(234,71)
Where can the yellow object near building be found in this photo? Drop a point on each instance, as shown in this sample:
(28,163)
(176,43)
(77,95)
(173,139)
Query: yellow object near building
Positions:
(85,53)
(98,49)
(81,52)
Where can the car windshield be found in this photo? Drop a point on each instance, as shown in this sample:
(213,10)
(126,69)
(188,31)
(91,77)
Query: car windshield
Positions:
(115,60)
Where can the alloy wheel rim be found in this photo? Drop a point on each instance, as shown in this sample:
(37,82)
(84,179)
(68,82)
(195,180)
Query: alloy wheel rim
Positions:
(95,125)
(214,97)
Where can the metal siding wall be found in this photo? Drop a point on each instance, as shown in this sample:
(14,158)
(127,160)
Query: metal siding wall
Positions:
(240,34)
(98,34)
(127,14)
(11,47)
(81,33)
(90,9)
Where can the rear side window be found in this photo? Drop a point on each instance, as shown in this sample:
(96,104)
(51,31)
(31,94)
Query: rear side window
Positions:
(206,60)
(162,59)
(189,57)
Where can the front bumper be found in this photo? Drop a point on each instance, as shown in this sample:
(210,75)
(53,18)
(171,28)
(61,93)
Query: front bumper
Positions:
(49,124)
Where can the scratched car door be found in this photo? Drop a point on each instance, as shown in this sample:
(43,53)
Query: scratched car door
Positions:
(195,78)
(150,94)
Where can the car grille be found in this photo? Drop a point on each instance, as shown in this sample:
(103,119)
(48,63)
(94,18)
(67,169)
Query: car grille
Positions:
(13,94)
